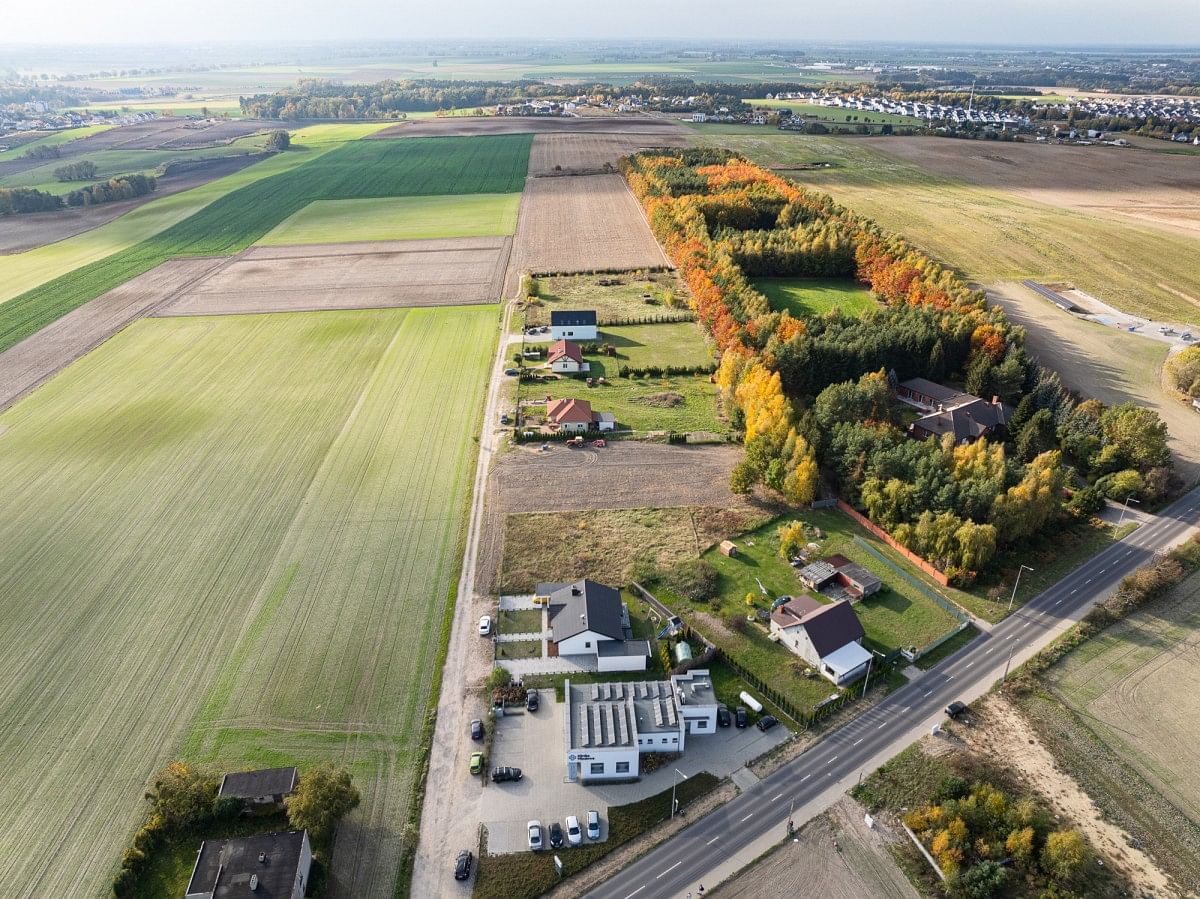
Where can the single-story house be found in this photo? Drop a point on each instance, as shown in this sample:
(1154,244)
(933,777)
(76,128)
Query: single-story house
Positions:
(268,786)
(576,324)
(274,865)
(566,358)
(948,411)
(608,727)
(828,637)
(576,417)
(589,619)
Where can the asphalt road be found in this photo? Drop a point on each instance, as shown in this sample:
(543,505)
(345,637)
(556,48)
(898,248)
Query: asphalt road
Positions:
(834,764)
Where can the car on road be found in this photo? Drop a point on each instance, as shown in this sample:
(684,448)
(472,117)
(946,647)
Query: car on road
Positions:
(476,762)
(956,710)
(740,715)
(724,719)
(766,722)
(574,831)
(1186,335)
(462,865)
(476,729)
(485,625)
(505,774)
(534,829)
(531,701)
(556,835)
(593,825)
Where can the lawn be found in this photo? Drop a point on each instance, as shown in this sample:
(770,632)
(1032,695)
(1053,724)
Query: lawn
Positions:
(622,299)
(663,344)
(398,218)
(230,539)
(524,621)
(519,649)
(810,297)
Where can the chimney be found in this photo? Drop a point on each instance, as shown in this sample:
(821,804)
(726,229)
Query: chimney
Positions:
(995,400)
(262,858)
(575,591)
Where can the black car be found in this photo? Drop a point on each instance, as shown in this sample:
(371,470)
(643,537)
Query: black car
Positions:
(462,865)
(956,709)
(531,701)
(500,775)
(556,835)
(724,719)
(766,722)
(740,715)
(476,729)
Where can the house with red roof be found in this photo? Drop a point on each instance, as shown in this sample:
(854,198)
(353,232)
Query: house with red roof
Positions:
(566,358)
(576,417)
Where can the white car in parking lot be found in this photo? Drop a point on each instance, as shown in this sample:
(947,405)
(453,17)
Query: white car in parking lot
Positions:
(574,833)
(593,825)
(535,836)
(485,625)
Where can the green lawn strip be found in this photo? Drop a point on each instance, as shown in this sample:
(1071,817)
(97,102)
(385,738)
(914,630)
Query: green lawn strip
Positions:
(810,297)
(524,621)
(947,649)
(524,875)
(519,649)
(398,218)
(660,344)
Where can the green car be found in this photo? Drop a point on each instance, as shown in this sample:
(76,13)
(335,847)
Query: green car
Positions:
(476,762)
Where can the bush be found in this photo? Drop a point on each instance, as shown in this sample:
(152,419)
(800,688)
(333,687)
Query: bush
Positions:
(278,140)
(1183,371)
(1122,484)
(500,677)
(76,171)
(693,579)
(323,795)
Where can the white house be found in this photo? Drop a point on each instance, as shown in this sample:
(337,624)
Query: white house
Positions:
(565,358)
(828,637)
(589,619)
(577,324)
(573,416)
(266,864)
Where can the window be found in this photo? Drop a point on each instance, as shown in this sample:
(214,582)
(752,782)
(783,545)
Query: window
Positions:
(597,767)
(587,644)
(622,767)
(674,739)
(664,739)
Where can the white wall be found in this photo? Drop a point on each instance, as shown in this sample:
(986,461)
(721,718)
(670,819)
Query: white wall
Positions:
(620,663)
(565,365)
(580,644)
(585,758)
(573,332)
(655,742)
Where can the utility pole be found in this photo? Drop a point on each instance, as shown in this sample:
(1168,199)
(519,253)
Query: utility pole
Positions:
(674,781)
(1129,499)
(1016,584)
(1011,646)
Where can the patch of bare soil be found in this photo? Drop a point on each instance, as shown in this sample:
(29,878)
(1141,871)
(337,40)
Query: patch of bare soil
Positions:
(1157,188)
(36,359)
(26,232)
(466,126)
(1002,733)
(834,856)
(371,275)
(581,224)
(563,154)
(660,400)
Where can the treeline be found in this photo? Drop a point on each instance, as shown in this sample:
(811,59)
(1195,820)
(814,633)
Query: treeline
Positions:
(76,171)
(20,200)
(42,151)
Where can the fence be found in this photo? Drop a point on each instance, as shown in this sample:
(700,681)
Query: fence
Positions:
(890,541)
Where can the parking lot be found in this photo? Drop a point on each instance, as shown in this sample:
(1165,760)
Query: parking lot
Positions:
(533,742)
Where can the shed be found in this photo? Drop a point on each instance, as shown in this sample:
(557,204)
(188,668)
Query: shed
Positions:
(728,548)
(683,652)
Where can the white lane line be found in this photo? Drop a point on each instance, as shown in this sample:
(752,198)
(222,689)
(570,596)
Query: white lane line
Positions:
(949,677)
(986,653)
(669,870)
(1088,581)
(635,892)
(747,818)
(927,693)
(882,724)
(856,742)
(968,665)
(713,840)
(832,759)
(776,796)
(805,777)
(1076,590)
(1058,602)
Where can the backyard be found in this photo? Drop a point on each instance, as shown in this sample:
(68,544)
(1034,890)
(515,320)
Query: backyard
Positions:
(621,297)
(661,344)
(810,297)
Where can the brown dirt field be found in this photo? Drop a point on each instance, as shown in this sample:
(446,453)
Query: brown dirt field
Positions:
(26,232)
(36,359)
(1101,362)
(811,866)
(573,153)
(372,275)
(467,126)
(1002,733)
(1156,188)
(579,224)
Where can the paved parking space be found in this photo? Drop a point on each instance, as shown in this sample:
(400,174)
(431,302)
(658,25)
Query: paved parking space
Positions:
(534,743)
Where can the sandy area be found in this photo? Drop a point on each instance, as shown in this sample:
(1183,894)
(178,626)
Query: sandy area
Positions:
(579,224)
(37,358)
(1155,188)
(1003,733)
(377,274)
(576,153)
(466,126)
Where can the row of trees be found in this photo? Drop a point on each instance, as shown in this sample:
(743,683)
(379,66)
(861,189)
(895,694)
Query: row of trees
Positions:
(21,200)
(83,170)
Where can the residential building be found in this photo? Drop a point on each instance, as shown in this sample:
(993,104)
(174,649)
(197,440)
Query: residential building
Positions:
(566,358)
(828,637)
(268,786)
(579,324)
(589,619)
(574,416)
(274,865)
(948,411)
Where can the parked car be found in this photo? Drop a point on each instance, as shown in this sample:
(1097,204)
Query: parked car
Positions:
(740,715)
(556,835)
(574,832)
(534,829)
(593,825)
(462,865)
(766,722)
(504,419)
(485,625)
(476,729)
(531,701)
(1186,335)
(956,709)
(512,372)
(724,719)
(502,775)
(476,762)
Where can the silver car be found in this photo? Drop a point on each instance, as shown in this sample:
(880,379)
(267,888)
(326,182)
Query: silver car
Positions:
(574,832)
(535,836)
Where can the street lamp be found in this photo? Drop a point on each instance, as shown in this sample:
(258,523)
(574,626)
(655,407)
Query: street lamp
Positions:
(674,781)
(1016,584)
(867,678)
(1125,508)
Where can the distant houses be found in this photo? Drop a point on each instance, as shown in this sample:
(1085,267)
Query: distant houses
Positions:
(948,411)
(827,637)
(274,865)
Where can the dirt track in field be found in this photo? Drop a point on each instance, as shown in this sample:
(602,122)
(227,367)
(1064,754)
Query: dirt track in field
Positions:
(1155,188)
(572,153)
(465,126)
(372,275)
(36,359)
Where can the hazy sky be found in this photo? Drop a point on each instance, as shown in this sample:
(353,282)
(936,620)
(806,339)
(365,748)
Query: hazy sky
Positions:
(1038,22)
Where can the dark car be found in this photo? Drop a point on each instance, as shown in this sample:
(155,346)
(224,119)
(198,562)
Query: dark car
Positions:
(956,709)
(556,835)
(476,729)
(462,865)
(531,701)
(766,722)
(740,715)
(500,775)
(724,719)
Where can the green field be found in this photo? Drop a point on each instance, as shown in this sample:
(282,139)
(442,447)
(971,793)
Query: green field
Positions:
(52,140)
(662,344)
(399,218)
(234,539)
(638,403)
(234,221)
(810,297)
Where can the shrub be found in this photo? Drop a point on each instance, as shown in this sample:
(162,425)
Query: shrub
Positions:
(1183,371)
(500,677)
(1064,854)
(76,171)
(323,795)
(693,579)
(1123,484)
(278,140)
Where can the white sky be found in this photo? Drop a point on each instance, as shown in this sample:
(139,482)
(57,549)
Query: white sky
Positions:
(1033,22)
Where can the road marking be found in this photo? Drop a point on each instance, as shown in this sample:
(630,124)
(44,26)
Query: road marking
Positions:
(1076,590)
(635,892)
(927,693)
(1058,602)
(949,677)
(805,777)
(989,650)
(856,742)
(776,796)
(1088,581)
(747,818)
(713,840)
(882,724)
(832,759)
(670,869)
(968,665)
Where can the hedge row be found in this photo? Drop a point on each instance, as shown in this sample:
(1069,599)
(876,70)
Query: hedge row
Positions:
(665,371)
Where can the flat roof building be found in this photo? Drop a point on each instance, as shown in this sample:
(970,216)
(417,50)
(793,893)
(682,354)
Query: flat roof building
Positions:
(267,865)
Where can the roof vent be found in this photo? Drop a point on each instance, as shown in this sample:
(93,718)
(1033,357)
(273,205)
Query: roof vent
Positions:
(253,883)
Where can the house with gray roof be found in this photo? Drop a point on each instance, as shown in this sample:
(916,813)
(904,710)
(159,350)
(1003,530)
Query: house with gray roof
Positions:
(275,865)
(256,789)
(828,637)
(589,619)
(948,411)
